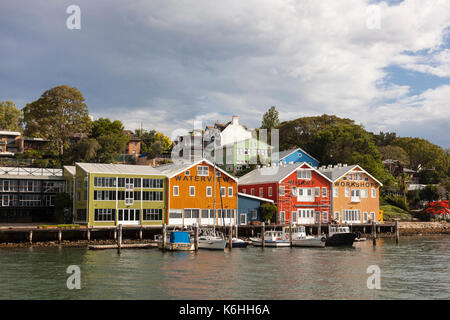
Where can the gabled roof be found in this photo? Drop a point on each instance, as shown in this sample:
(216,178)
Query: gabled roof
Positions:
(173,169)
(71,169)
(338,172)
(240,194)
(274,174)
(110,168)
(285,153)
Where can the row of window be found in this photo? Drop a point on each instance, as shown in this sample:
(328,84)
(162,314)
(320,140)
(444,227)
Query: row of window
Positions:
(31,186)
(355,177)
(209,191)
(26,200)
(128,215)
(107,182)
(205,213)
(108,195)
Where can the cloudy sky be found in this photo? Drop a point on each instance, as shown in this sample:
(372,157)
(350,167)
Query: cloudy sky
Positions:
(166,63)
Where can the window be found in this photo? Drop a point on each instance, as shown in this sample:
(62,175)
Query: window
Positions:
(209,191)
(191,191)
(252,192)
(336,216)
(223,191)
(317,193)
(304,174)
(363,193)
(129,197)
(105,214)
(270,191)
(281,190)
(374,193)
(244,190)
(305,194)
(356,195)
(175,215)
(324,192)
(261,192)
(335,192)
(152,214)
(230,191)
(176,191)
(187,173)
(294,191)
(203,171)
(294,216)
(324,216)
(347,192)
(254,214)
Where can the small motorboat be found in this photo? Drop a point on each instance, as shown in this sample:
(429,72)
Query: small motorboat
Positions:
(211,242)
(176,241)
(238,243)
(272,239)
(340,236)
(300,239)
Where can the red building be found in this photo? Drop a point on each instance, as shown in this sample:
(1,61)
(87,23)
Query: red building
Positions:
(301,193)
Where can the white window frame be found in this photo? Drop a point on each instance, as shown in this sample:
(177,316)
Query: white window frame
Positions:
(335,192)
(203,171)
(270,191)
(209,194)
(190,191)
(230,191)
(176,194)
(373,193)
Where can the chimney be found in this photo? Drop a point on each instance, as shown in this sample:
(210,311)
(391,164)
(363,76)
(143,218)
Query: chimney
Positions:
(235,120)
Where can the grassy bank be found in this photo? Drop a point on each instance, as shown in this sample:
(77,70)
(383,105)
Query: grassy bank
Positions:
(391,212)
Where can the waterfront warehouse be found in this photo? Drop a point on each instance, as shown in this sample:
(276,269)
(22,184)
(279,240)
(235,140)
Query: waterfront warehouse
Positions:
(112,194)
(249,208)
(28,194)
(356,194)
(301,193)
(196,191)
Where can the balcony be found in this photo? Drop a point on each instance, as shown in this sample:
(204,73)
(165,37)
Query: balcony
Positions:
(355,199)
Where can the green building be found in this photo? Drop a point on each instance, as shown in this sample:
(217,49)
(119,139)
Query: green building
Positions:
(113,194)
(237,156)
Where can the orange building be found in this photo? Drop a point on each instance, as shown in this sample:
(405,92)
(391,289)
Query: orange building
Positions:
(200,193)
(356,194)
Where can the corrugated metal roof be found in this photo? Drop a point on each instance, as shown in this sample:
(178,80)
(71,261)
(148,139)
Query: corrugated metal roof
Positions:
(269,174)
(336,172)
(240,194)
(118,168)
(173,169)
(285,153)
(71,169)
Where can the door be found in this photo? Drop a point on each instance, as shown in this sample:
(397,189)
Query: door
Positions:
(129,217)
(317,215)
(243,218)
(191,217)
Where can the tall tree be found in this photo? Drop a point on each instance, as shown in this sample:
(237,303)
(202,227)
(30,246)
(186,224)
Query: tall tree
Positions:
(270,121)
(58,114)
(153,143)
(111,138)
(10,116)
(395,153)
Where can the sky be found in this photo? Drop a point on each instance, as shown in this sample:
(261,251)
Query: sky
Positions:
(164,64)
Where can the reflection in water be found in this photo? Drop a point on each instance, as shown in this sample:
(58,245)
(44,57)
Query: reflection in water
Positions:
(416,268)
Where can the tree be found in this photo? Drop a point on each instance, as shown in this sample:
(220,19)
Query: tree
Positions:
(384,138)
(438,209)
(10,116)
(429,193)
(268,211)
(58,114)
(270,121)
(84,150)
(153,143)
(299,132)
(111,138)
(395,153)
(63,208)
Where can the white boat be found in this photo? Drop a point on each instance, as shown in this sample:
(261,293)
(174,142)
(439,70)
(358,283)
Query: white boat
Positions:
(300,239)
(272,239)
(211,242)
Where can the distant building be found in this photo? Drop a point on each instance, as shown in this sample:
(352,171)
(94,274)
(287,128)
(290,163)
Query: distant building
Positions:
(28,194)
(133,145)
(296,155)
(9,143)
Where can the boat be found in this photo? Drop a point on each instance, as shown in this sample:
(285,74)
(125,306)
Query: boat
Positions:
(340,236)
(300,239)
(238,243)
(272,239)
(176,241)
(211,242)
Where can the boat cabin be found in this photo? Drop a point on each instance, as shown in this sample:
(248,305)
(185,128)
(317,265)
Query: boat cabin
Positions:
(334,230)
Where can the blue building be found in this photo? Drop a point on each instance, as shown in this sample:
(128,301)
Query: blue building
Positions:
(249,208)
(297,155)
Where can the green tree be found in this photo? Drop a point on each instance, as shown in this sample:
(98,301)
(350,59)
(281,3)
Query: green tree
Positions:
(429,193)
(63,208)
(268,211)
(10,116)
(153,143)
(395,153)
(111,138)
(84,150)
(58,114)
(270,121)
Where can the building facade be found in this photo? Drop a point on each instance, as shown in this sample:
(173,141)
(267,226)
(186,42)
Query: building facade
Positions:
(301,193)
(200,193)
(356,194)
(113,194)
(296,155)
(28,194)
(249,208)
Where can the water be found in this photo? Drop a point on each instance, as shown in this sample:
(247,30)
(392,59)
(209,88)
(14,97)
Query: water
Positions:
(418,268)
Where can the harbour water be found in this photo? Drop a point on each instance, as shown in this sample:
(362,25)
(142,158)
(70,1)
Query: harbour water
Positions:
(416,268)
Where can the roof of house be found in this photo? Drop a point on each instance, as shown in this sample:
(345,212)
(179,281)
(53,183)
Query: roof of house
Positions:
(336,172)
(285,153)
(71,169)
(269,174)
(174,169)
(10,133)
(118,168)
(240,194)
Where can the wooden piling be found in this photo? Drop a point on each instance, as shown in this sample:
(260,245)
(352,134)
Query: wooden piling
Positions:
(59,236)
(319,229)
(164,234)
(115,234)
(196,238)
(119,240)
(397,233)
(140,233)
(31,236)
(290,233)
(230,237)
(374,233)
(88,234)
(364,229)
(263,231)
